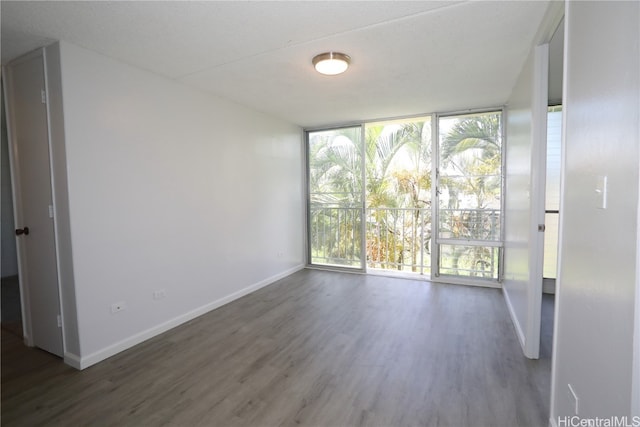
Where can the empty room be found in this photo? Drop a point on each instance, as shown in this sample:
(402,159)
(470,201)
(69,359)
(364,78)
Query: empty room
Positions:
(320,213)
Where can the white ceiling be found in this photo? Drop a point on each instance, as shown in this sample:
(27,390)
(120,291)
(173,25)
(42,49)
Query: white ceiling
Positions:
(408,57)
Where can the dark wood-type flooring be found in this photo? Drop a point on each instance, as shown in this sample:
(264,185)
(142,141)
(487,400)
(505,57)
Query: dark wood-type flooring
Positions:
(317,349)
(10,305)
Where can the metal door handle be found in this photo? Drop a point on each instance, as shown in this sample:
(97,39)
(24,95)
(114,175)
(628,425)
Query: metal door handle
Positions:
(21,231)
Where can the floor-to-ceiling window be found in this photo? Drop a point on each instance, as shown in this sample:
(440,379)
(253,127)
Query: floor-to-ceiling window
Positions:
(398,208)
(469,189)
(336,181)
(375,189)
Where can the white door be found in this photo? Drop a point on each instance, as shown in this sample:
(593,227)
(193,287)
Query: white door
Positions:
(540,105)
(28,128)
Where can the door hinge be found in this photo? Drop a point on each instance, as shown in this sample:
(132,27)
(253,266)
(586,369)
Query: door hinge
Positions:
(59,321)
(43,95)
(541,228)
(50,211)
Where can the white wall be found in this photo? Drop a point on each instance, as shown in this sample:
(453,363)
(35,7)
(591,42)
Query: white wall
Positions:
(595,298)
(170,189)
(524,202)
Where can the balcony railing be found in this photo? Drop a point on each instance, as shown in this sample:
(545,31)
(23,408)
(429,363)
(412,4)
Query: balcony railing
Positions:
(470,242)
(469,224)
(399,239)
(335,235)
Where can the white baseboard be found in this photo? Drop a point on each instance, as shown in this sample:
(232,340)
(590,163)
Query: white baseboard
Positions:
(100,355)
(72,360)
(514,320)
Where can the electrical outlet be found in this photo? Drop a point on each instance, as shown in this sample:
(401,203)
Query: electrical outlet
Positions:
(573,398)
(159,294)
(118,306)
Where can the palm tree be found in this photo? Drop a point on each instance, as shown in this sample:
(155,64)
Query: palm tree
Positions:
(336,167)
(475,132)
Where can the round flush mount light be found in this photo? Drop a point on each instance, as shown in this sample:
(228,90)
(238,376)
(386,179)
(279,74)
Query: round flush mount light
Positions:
(331,63)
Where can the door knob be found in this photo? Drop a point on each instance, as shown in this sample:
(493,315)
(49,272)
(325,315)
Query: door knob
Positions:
(21,231)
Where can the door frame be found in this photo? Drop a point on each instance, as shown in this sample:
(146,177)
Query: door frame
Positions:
(16,186)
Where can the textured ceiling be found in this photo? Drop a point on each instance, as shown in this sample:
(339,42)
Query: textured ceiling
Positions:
(408,57)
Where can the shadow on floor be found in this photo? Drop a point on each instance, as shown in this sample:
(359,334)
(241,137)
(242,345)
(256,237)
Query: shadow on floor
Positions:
(11,312)
(546,327)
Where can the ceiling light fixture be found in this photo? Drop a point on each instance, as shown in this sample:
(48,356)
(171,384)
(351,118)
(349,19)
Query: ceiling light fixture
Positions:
(331,63)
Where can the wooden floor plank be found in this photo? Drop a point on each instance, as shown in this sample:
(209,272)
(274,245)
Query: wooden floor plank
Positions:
(317,349)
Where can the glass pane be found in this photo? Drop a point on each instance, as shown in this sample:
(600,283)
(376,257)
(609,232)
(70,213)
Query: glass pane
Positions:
(550,245)
(554,137)
(470,183)
(469,261)
(398,173)
(335,193)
